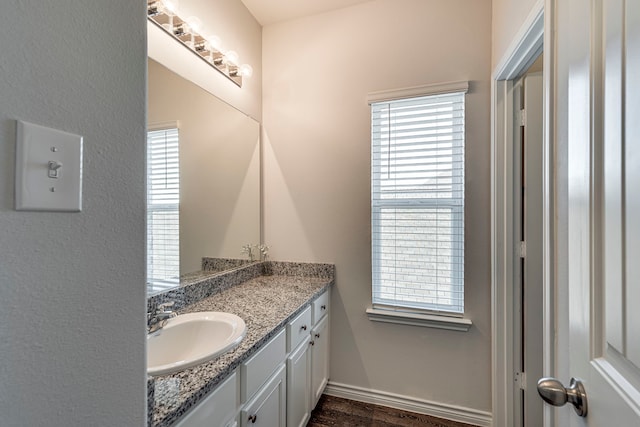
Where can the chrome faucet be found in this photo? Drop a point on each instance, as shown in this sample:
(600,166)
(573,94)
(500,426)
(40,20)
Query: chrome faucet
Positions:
(158,319)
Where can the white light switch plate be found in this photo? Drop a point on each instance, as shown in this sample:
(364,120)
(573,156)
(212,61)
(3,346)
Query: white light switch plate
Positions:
(48,169)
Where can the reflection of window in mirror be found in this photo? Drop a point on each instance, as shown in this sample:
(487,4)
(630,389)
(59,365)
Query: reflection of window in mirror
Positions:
(163,202)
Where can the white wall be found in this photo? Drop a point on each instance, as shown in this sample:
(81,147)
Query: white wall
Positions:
(219,168)
(72,341)
(317,73)
(507,18)
(233,23)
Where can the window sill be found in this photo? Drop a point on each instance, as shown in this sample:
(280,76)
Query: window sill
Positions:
(416,319)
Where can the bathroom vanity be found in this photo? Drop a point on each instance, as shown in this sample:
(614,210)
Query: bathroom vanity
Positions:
(277,373)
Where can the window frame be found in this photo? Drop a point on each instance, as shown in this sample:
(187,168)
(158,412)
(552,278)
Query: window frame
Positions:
(395,313)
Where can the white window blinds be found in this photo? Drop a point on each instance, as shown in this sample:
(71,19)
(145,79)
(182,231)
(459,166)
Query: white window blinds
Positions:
(417,203)
(163,202)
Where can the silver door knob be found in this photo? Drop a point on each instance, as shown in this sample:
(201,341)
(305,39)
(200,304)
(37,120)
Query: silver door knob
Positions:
(554,393)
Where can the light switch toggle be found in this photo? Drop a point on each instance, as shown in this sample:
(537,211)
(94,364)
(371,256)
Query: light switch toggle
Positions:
(53,168)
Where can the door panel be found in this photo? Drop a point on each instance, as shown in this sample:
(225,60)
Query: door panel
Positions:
(598,65)
(612,173)
(632,177)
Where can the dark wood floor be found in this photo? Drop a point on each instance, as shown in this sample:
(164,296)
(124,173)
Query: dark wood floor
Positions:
(337,412)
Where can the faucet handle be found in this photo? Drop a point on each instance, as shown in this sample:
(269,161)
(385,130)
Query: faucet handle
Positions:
(163,307)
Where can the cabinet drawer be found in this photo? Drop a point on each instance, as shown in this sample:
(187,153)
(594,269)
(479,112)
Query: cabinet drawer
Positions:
(256,370)
(217,409)
(299,329)
(321,306)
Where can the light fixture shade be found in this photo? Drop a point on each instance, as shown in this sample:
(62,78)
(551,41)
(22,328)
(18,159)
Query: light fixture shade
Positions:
(156,7)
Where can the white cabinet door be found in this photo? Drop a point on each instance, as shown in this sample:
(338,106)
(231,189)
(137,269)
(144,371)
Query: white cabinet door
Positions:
(216,410)
(319,359)
(268,407)
(298,385)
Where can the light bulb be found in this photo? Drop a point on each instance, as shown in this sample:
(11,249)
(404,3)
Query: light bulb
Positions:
(214,42)
(194,23)
(232,57)
(171,6)
(246,70)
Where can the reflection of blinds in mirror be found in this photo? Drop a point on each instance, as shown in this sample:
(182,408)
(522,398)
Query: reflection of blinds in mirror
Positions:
(163,202)
(418,203)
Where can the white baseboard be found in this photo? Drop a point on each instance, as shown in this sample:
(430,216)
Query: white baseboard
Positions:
(406,403)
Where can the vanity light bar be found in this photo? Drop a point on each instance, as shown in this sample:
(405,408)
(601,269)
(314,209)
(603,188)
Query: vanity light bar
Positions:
(186,31)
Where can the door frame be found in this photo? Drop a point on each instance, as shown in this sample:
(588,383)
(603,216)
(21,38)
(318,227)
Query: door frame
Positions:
(528,43)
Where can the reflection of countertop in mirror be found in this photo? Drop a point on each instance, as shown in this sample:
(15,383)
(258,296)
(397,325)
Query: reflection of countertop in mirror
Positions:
(210,267)
(162,286)
(266,302)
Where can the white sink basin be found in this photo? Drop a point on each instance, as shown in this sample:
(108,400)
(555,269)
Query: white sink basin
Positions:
(190,339)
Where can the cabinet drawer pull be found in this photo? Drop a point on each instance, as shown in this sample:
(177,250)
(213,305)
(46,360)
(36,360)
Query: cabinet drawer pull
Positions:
(253,418)
(303,327)
(317,335)
(312,342)
(323,307)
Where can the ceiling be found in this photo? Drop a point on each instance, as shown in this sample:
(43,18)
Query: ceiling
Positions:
(271,11)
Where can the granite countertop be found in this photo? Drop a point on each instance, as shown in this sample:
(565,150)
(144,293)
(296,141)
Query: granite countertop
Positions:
(266,303)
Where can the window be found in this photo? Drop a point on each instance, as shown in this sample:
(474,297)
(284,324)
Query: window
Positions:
(417,203)
(163,202)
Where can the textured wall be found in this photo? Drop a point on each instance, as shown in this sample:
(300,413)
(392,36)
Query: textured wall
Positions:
(317,73)
(72,284)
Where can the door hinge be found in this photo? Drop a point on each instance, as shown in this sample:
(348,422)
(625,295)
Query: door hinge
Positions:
(522,249)
(521,380)
(522,117)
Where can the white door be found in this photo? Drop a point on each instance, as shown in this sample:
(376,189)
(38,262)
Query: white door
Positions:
(598,205)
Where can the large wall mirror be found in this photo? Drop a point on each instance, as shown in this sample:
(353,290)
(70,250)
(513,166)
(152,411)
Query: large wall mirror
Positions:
(219,169)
